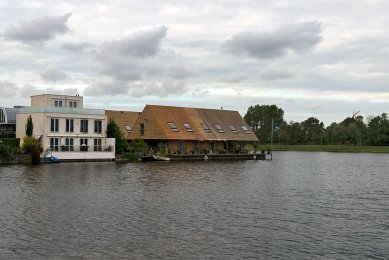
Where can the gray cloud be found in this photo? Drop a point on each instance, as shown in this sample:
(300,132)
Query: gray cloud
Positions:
(167,88)
(180,72)
(76,47)
(53,74)
(107,86)
(8,89)
(271,73)
(299,37)
(38,30)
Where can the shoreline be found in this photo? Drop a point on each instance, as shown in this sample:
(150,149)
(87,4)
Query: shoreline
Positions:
(329,148)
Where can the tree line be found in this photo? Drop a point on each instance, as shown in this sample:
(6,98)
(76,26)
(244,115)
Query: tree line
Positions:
(355,130)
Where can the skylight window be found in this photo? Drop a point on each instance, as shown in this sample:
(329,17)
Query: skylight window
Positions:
(206,128)
(128,128)
(219,128)
(245,129)
(172,127)
(188,127)
(233,129)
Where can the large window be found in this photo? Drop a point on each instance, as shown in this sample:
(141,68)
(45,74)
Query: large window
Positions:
(83,144)
(188,127)
(54,124)
(54,144)
(206,128)
(97,144)
(69,144)
(73,104)
(219,128)
(84,125)
(98,126)
(58,103)
(69,125)
(173,127)
(245,129)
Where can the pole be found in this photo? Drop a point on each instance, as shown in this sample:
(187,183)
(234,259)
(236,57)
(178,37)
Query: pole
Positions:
(271,140)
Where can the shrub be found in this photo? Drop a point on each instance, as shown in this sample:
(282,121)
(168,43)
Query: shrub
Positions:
(29,143)
(133,157)
(6,152)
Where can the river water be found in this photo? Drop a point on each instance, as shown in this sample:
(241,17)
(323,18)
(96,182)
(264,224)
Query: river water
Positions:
(298,206)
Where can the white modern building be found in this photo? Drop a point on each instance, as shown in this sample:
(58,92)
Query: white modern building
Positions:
(67,130)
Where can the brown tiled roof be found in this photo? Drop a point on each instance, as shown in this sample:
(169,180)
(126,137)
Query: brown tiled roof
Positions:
(123,119)
(156,119)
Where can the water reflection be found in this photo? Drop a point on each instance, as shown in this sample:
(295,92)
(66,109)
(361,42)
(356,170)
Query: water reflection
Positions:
(299,206)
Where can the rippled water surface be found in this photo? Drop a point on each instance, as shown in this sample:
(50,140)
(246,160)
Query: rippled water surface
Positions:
(298,206)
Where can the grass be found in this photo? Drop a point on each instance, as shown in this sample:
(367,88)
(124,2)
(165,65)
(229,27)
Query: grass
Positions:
(329,148)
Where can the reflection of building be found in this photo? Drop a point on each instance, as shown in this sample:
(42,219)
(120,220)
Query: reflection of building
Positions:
(8,119)
(192,130)
(71,131)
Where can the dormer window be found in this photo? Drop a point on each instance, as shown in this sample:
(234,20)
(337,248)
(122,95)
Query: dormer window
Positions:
(188,127)
(172,127)
(58,103)
(128,128)
(233,129)
(219,128)
(245,129)
(206,128)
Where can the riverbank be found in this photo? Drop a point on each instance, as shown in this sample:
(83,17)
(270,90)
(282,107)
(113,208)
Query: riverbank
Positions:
(330,148)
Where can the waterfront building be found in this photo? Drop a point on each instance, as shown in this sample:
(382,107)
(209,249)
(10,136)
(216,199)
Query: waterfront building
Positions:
(185,130)
(8,120)
(66,129)
(125,120)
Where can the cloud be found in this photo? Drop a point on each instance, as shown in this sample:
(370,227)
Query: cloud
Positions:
(30,90)
(37,31)
(272,73)
(8,89)
(139,44)
(298,37)
(180,72)
(53,74)
(107,86)
(76,47)
(167,88)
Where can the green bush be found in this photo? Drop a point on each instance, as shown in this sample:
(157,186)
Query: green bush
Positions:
(133,157)
(6,152)
(12,142)
(29,143)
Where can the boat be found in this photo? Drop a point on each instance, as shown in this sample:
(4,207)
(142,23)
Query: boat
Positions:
(161,158)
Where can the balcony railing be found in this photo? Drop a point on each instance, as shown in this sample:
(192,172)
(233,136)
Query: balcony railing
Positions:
(82,148)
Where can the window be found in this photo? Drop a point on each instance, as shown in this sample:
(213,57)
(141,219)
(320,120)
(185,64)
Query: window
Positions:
(172,127)
(69,144)
(54,124)
(188,127)
(83,144)
(84,125)
(206,128)
(219,128)
(128,128)
(69,125)
(73,104)
(97,145)
(245,129)
(142,129)
(98,126)
(54,144)
(233,129)
(58,103)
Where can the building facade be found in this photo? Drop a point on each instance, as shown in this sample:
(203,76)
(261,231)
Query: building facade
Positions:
(8,120)
(185,130)
(67,130)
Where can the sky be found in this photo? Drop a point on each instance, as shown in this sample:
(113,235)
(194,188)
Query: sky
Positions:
(312,58)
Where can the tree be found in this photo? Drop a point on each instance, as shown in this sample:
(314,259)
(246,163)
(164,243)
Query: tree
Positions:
(113,131)
(378,130)
(260,119)
(138,145)
(29,126)
(313,131)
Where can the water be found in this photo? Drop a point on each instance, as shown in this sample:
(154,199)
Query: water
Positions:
(298,206)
